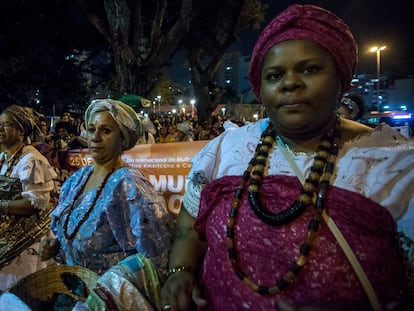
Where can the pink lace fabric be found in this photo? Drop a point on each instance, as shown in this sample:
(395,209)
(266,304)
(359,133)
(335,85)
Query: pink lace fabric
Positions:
(266,252)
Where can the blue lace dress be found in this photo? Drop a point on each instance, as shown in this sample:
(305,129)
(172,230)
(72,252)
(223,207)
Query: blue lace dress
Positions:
(128,217)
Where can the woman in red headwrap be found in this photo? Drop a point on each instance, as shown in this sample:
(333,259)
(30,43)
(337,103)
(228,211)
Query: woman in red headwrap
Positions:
(300,208)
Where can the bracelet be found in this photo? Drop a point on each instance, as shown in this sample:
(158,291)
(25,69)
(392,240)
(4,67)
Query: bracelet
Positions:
(178,269)
(4,207)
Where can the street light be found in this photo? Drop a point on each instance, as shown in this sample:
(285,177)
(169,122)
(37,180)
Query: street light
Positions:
(192,102)
(159,104)
(378,51)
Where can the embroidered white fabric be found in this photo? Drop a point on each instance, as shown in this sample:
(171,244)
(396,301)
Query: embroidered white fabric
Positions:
(36,175)
(379,166)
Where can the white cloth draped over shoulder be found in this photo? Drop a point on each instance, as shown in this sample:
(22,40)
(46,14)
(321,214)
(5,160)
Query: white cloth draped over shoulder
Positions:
(379,166)
(36,175)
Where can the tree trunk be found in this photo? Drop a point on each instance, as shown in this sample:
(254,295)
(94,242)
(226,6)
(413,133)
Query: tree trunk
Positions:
(125,25)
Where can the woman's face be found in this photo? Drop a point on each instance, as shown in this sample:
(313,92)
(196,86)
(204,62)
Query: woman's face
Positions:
(10,133)
(171,130)
(180,134)
(104,138)
(43,127)
(163,131)
(62,133)
(344,112)
(299,87)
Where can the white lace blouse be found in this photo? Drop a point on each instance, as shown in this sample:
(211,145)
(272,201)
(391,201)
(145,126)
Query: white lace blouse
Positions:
(36,175)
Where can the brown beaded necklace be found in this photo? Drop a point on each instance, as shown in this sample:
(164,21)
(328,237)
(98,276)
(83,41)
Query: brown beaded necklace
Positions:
(14,159)
(317,180)
(91,207)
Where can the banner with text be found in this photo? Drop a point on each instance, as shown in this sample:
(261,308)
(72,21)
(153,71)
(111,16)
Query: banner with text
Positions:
(165,165)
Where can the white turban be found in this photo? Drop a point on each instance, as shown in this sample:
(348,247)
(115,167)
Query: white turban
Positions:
(127,119)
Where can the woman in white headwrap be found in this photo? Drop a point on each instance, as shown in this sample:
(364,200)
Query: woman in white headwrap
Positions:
(184,132)
(108,211)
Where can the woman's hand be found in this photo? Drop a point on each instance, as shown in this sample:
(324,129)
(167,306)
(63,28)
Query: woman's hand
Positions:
(48,248)
(180,292)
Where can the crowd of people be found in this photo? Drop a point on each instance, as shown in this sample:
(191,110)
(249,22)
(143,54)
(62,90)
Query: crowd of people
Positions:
(305,209)
(70,133)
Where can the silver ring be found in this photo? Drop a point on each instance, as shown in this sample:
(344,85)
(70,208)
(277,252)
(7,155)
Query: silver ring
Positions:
(166,307)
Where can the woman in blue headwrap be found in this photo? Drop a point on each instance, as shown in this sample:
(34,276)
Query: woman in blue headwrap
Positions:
(108,211)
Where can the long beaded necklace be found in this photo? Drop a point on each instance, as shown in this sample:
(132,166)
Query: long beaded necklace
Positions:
(91,206)
(317,180)
(12,161)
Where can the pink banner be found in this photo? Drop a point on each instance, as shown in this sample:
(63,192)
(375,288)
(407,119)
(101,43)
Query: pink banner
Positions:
(165,165)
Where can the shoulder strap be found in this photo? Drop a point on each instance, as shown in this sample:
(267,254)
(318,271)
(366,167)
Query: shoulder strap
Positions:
(353,260)
(350,255)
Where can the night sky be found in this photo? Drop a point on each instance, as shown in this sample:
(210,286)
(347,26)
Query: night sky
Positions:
(373,22)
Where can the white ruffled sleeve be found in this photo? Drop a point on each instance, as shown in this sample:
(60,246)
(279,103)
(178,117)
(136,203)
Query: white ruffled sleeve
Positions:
(200,175)
(380,166)
(37,177)
(221,157)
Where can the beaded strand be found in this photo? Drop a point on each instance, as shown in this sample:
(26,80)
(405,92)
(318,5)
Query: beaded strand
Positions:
(91,207)
(15,157)
(256,170)
(322,170)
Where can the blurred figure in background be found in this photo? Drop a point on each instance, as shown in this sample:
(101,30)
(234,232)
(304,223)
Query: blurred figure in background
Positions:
(148,132)
(184,132)
(171,136)
(351,107)
(162,135)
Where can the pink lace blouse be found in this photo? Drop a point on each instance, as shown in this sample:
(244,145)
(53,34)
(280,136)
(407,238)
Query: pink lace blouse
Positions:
(266,253)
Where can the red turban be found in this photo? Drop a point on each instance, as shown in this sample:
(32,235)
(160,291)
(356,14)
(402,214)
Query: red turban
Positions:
(308,22)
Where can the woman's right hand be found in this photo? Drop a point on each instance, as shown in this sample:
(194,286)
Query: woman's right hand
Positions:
(48,248)
(180,292)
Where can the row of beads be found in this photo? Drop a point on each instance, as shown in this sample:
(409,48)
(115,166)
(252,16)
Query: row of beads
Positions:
(323,165)
(15,158)
(91,207)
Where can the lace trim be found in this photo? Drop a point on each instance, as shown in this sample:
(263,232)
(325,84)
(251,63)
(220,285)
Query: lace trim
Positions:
(191,199)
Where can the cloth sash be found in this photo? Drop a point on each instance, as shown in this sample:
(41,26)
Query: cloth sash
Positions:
(131,285)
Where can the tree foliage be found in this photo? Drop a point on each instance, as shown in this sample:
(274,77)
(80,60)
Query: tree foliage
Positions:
(35,41)
(142,36)
(213,30)
(145,36)
(169,91)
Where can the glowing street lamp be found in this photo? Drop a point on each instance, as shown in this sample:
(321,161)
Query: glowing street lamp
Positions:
(378,51)
(192,102)
(159,103)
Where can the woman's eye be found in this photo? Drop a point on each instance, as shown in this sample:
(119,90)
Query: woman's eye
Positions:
(311,69)
(273,76)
